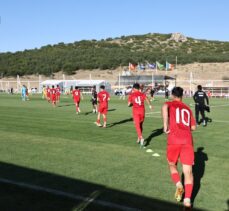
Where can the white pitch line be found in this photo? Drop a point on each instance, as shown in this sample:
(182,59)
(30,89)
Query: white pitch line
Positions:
(220,121)
(158,117)
(214,106)
(68,195)
(217,121)
(154,112)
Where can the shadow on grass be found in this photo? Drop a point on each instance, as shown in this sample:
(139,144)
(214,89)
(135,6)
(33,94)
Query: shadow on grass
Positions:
(90,112)
(120,122)
(198,170)
(28,189)
(112,109)
(208,120)
(66,105)
(154,133)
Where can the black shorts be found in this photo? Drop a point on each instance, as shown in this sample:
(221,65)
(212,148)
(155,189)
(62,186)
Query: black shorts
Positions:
(94,102)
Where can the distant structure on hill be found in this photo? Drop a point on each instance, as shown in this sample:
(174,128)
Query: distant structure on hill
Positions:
(178,37)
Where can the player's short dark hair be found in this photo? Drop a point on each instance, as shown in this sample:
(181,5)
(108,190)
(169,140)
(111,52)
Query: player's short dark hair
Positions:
(177,92)
(199,87)
(76,87)
(94,87)
(136,86)
(53,86)
(102,87)
(57,85)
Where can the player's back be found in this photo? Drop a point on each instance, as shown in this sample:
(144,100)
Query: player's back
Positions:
(94,94)
(76,94)
(180,121)
(199,97)
(137,99)
(58,90)
(53,91)
(103,97)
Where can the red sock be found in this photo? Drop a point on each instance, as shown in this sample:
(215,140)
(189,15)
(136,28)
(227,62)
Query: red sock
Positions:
(98,121)
(175,178)
(105,120)
(188,190)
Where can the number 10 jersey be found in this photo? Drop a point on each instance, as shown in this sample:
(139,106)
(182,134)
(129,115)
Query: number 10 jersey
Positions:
(180,121)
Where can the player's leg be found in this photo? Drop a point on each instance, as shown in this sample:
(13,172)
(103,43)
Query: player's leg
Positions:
(173,152)
(187,160)
(77,111)
(104,120)
(96,108)
(188,184)
(98,119)
(93,106)
(203,115)
(79,106)
(53,103)
(142,117)
(197,114)
(137,123)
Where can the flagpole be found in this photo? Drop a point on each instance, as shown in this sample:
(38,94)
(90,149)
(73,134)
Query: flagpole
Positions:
(166,68)
(176,65)
(190,84)
(119,81)
(176,73)
(176,62)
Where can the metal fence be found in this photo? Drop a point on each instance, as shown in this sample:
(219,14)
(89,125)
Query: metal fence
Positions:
(215,88)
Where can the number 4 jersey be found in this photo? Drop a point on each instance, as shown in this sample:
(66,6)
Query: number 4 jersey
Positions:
(180,121)
(137,99)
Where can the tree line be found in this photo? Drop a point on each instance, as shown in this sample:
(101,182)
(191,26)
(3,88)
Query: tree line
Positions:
(110,54)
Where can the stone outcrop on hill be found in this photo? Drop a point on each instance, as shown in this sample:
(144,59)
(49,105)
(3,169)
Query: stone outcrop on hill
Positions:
(178,37)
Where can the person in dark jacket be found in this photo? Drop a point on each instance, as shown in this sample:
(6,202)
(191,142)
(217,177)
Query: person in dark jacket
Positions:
(200,97)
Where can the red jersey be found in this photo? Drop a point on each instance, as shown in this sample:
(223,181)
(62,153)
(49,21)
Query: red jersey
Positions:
(103,98)
(180,121)
(48,91)
(76,95)
(53,91)
(137,99)
(58,90)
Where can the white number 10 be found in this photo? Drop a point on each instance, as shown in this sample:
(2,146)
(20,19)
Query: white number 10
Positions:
(180,115)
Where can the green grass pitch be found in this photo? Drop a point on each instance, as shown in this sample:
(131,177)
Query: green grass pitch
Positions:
(56,149)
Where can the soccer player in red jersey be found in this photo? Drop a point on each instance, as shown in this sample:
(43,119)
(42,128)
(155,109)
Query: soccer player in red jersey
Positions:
(103,97)
(178,123)
(76,94)
(136,99)
(58,93)
(48,95)
(53,96)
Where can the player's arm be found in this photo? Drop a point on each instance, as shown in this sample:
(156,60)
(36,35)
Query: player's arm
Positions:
(129,101)
(165,118)
(206,98)
(193,123)
(195,98)
(193,127)
(149,103)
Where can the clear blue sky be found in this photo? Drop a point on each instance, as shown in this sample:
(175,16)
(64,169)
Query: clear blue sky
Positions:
(26,24)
